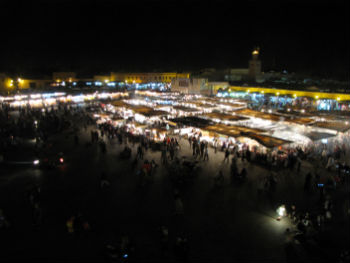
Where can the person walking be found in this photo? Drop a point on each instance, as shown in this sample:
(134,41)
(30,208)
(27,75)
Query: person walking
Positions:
(139,152)
(206,155)
(164,156)
(298,164)
(227,154)
(172,152)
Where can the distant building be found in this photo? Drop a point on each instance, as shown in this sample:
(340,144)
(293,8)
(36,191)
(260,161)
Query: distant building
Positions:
(5,82)
(35,83)
(190,85)
(147,77)
(238,74)
(102,78)
(64,76)
(214,86)
(253,72)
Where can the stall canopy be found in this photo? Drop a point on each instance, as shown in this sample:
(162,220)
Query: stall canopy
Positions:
(223,116)
(235,131)
(315,136)
(335,125)
(274,117)
(119,103)
(193,121)
(223,130)
(185,109)
(146,111)
(265,140)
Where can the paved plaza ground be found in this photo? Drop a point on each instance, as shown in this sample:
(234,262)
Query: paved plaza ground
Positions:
(229,224)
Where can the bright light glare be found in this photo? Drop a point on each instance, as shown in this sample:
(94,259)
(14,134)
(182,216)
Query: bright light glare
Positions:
(36,162)
(281,211)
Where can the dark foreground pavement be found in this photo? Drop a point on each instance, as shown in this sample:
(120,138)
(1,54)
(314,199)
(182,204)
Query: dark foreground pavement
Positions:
(230,224)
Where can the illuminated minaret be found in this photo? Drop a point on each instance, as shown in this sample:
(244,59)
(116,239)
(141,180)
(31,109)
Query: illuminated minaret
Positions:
(255,64)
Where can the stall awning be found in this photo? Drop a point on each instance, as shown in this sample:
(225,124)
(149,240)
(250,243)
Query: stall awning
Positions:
(274,117)
(223,116)
(336,126)
(119,103)
(265,140)
(315,136)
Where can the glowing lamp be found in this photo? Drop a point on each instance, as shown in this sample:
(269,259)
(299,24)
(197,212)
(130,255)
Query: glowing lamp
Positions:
(281,211)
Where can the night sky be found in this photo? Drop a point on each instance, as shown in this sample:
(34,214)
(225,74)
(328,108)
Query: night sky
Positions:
(38,37)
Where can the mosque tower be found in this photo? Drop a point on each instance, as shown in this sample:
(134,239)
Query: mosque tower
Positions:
(255,64)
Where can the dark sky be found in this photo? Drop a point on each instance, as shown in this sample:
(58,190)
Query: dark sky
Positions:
(38,37)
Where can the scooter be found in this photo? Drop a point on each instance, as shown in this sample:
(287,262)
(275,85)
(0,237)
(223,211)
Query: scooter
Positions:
(50,163)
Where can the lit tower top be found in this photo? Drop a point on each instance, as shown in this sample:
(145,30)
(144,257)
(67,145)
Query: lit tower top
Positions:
(255,64)
(255,53)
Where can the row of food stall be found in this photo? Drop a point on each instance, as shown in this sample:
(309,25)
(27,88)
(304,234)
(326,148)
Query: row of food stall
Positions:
(205,118)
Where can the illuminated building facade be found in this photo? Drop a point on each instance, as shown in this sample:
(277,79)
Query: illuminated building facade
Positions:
(147,77)
(190,85)
(64,76)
